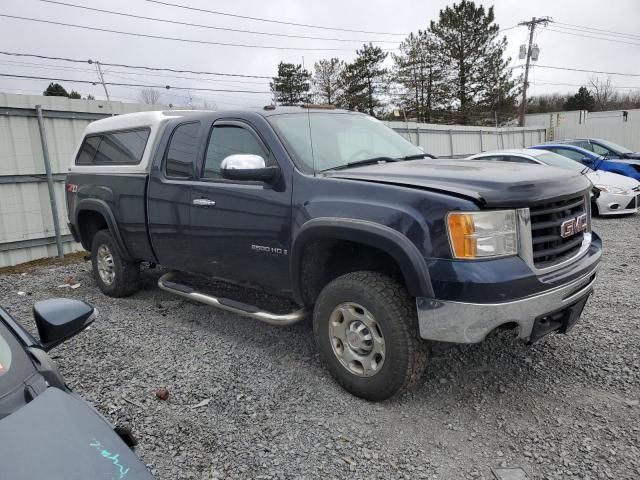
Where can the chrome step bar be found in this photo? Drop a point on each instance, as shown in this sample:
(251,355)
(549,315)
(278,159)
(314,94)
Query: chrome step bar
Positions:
(165,283)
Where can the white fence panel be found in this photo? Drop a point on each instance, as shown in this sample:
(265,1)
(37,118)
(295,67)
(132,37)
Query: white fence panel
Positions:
(455,141)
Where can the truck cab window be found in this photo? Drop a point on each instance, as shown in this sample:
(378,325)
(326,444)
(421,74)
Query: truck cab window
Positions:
(182,151)
(229,140)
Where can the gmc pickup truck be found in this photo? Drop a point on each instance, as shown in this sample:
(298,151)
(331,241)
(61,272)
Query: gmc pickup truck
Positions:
(386,249)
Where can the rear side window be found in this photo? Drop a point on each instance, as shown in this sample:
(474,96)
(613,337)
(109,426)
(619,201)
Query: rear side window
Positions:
(182,151)
(121,148)
(88,151)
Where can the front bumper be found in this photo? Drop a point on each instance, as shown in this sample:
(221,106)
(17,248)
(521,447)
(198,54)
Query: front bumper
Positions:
(459,322)
(618,204)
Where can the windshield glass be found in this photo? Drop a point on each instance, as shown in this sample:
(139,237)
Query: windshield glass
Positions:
(559,161)
(15,365)
(321,140)
(615,147)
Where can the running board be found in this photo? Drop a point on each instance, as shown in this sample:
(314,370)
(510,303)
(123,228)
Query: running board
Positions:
(232,306)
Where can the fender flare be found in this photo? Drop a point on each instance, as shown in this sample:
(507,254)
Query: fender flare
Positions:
(100,206)
(411,262)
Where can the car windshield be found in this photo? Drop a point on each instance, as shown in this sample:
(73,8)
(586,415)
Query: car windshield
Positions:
(322,141)
(15,365)
(614,146)
(559,161)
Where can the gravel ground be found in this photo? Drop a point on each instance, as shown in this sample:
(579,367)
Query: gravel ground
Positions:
(565,408)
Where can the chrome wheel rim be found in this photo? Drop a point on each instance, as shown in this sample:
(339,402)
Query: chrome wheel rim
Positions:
(105,264)
(356,339)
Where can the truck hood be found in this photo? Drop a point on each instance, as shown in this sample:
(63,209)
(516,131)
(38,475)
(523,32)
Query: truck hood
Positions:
(58,436)
(493,184)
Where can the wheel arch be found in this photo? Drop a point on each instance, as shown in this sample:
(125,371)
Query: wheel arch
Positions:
(99,207)
(410,262)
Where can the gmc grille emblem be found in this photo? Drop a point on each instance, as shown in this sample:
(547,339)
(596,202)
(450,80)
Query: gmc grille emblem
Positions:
(573,226)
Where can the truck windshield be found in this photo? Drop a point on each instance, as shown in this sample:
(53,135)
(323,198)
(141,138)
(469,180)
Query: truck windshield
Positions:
(322,141)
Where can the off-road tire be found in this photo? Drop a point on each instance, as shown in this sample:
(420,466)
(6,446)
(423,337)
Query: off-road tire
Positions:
(406,355)
(126,279)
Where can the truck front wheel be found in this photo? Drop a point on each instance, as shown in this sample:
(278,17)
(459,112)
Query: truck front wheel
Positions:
(115,276)
(365,327)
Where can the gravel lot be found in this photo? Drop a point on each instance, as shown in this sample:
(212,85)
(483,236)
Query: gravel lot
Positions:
(564,408)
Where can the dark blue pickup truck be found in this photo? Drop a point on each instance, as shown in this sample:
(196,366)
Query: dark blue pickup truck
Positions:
(385,248)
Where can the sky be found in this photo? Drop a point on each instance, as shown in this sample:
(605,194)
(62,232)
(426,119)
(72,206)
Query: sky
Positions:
(570,49)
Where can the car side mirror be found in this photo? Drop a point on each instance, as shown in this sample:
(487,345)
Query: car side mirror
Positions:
(247,167)
(586,160)
(59,319)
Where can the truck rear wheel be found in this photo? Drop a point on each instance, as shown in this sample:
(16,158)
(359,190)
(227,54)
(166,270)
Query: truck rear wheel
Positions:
(365,327)
(115,276)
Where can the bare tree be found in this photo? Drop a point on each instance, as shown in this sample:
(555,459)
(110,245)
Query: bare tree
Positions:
(150,96)
(602,92)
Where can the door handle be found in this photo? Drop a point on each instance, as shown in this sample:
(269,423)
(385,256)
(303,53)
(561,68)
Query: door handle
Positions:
(204,202)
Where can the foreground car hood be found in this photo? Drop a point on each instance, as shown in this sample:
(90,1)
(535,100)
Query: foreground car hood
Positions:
(601,177)
(58,436)
(494,184)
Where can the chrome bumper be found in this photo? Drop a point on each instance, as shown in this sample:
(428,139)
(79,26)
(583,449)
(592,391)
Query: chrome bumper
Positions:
(459,322)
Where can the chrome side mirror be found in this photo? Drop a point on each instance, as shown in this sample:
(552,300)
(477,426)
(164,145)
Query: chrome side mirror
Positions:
(247,167)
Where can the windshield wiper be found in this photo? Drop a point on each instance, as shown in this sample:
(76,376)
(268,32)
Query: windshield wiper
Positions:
(366,161)
(417,156)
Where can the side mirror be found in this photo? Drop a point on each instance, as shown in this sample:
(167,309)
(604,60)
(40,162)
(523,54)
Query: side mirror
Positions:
(59,319)
(586,160)
(247,167)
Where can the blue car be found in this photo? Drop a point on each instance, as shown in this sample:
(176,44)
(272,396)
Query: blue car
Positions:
(626,167)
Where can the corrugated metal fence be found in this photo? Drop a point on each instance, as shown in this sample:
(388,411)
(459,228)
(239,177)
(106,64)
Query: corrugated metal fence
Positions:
(619,126)
(456,141)
(26,226)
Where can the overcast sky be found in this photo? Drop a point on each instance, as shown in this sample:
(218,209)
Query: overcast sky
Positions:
(557,49)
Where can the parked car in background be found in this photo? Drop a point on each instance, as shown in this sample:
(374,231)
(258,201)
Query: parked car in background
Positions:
(618,194)
(592,159)
(46,431)
(604,148)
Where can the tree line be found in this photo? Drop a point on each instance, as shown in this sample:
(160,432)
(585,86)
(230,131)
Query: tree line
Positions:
(598,96)
(452,72)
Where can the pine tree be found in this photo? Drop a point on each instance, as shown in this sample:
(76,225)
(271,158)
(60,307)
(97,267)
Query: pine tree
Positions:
(327,83)
(291,86)
(55,90)
(422,76)
(74,94)
(364,81)
(583,100)
(467,39)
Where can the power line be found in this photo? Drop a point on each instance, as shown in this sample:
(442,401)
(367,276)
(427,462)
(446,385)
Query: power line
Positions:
(126,73)
(167,87)
(158,69)
(175,22)
(592,29)
(589,71)
(257,19)
(545,82)
(175,39)
(591,36)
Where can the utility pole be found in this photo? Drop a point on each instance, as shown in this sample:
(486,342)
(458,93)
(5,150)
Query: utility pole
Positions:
(531,25)
(104,85)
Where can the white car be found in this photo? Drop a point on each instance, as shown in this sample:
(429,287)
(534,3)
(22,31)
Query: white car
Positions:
(618,194)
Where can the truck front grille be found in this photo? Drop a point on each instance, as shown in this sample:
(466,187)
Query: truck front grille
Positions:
(549,247)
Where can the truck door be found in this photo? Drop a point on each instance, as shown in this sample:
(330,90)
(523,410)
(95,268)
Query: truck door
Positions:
(169,196)
(241,228)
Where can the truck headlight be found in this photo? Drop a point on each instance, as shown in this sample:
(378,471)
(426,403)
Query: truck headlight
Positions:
(483,234)
(612,189)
